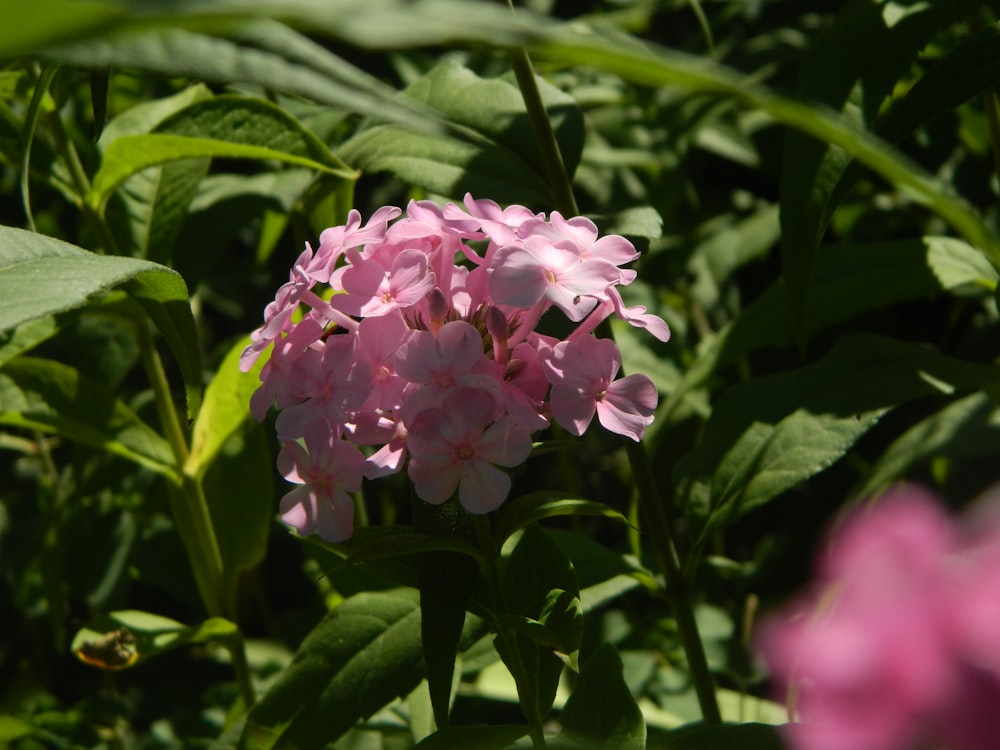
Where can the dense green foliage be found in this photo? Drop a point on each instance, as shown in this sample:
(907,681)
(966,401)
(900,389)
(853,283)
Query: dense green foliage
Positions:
(814,190)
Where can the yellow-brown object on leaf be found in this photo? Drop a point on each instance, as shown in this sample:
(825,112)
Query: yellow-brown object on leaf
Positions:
(111,651)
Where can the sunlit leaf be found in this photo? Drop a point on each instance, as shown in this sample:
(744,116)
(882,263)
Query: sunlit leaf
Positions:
(40,276)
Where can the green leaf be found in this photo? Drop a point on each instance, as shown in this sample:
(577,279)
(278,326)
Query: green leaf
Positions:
(489,737)
(54,398)
(491,150)
(863,47)
(165,298)
(283,65)
(225,411)
(656,66)
(969,426)
(12,728)
(849,279)
(362,655)
(601,712)
(535,567)
(15,342)
(23,27)
(40,276)
(771,433)
(130,154)
(376,543)
(527,509)
(559,627)
(150,207)
(154,634)
(965,72)
(447,580)
(239,487)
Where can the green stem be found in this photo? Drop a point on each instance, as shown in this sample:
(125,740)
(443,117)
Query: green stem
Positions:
(650,504)
(514,661)
(81,183)
(192,516)
(658,525)
(992,107)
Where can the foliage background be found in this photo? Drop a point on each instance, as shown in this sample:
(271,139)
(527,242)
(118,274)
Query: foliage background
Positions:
(814,190)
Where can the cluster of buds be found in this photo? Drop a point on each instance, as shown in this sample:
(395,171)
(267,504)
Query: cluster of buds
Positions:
(415,335)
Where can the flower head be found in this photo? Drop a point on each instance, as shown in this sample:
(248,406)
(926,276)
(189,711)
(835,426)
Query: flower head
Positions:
(414,337)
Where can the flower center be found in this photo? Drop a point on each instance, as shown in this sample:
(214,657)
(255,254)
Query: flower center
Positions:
(464,452)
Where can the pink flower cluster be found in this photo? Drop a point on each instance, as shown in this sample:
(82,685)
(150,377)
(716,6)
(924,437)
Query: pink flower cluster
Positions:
(415,335)
(898,646)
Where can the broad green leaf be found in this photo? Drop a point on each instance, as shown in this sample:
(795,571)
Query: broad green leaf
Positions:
(603,573)
(149,208)
(860,47)
(224,206)
(358,658)
(742,736)
(239,487)
(447,580)
(771,433)
(480,737)
(23,27)
(534,568)
(26,336)
(54,398)
(225,411)
(524,510)
(849,279)
(165,298)
(447,166)
(40,276)
(969,426)
(601,712)
(559,627)
(130,154)
(491,149)
(376,543)
(199,56)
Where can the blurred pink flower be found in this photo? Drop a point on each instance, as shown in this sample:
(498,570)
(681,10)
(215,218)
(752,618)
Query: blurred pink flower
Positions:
(897,646)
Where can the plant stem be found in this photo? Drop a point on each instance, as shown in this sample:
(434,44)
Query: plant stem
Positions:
(650,503)
(658,524)
(193,518)
(514,661)
(66,149)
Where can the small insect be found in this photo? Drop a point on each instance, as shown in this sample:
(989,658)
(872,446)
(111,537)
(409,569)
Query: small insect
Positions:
(112,650)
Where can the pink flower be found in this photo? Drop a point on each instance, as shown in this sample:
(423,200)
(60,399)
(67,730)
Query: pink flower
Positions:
(456,447)
(525,274)
(414,336)
(327,468)
(582,374)
(886,652)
